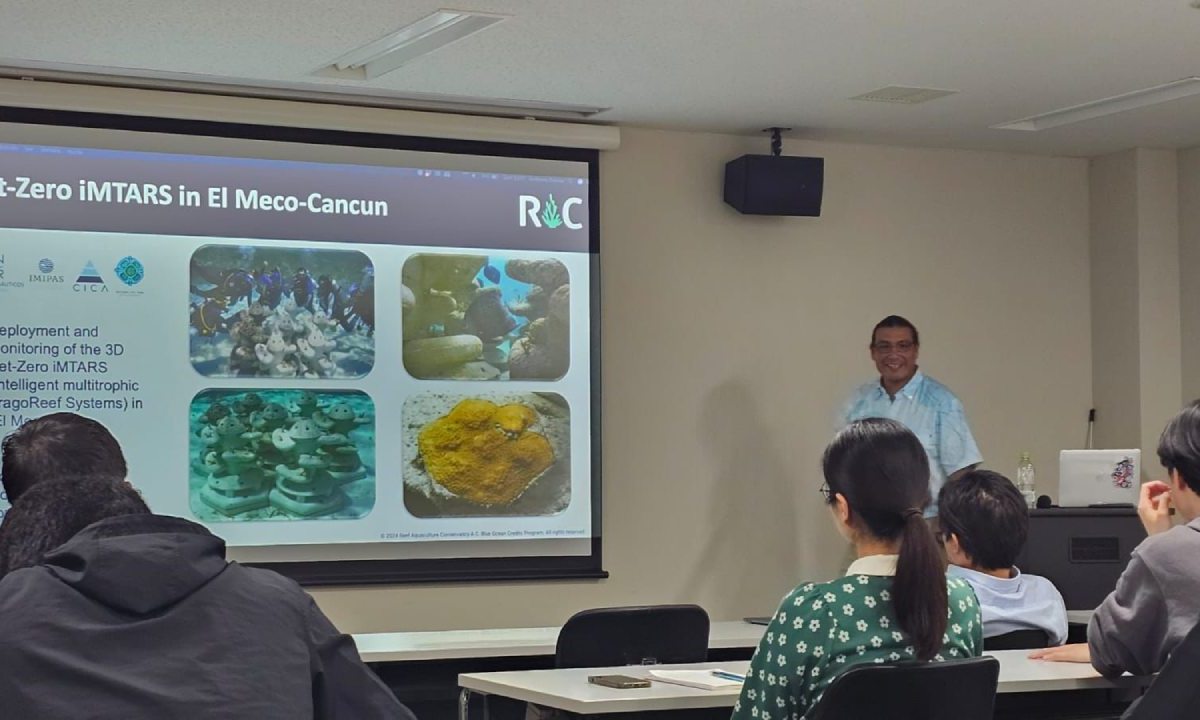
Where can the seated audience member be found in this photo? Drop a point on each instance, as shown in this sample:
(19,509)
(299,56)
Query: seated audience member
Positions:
(1157,599)
(58,445)
(984,523)
(28,533)
(894,603)
(139,616)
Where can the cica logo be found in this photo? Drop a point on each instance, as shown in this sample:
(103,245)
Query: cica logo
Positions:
(547,214)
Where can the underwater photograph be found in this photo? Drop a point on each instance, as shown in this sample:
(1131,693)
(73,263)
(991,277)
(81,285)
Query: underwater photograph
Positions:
(491,454)
(480,317)
(281,455)
(281,312)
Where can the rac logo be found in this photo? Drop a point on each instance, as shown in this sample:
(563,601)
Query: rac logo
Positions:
(548,214)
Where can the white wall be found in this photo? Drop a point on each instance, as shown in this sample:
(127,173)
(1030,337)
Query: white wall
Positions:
(1116,363)
(1159,338)
(729,342)
(1136,328)
(1189,269)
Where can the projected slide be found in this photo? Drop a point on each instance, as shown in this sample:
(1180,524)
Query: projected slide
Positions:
(302,353)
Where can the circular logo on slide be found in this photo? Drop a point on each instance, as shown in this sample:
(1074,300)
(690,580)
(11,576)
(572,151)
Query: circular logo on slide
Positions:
(46,265)
(129,269)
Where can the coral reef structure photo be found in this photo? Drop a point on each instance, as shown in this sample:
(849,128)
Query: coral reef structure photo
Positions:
(281,312)
(477,317)
(493,454)
(281,455)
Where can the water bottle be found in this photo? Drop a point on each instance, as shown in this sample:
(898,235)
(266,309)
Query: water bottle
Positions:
(1025,480)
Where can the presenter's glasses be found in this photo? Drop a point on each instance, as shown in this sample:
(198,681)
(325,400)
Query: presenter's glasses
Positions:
(904,346)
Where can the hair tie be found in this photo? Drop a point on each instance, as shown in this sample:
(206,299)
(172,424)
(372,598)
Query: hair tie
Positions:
(911,512)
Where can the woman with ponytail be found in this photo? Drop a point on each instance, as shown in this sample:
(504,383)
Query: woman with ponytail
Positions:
(895,602)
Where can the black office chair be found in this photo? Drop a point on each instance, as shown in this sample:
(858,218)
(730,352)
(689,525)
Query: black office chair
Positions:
(956,690)
(1174,694)
(633,636)
(1018,640)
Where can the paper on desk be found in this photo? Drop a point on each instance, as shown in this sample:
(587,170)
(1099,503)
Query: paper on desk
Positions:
(702,679)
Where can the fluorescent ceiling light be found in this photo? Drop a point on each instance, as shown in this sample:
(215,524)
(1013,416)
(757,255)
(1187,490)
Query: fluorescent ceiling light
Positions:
(436,30)
(1108,106)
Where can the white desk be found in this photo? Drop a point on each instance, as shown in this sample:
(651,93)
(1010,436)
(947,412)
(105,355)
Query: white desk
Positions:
(509,642)
(1081,617)
(569,689)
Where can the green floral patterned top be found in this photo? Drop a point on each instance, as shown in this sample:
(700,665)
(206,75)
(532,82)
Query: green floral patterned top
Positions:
(822,629)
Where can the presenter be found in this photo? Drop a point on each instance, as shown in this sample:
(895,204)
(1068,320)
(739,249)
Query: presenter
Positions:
(927,407)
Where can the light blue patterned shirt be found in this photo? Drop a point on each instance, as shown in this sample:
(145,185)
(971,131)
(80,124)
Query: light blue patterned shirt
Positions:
(1022,602)
(936,417)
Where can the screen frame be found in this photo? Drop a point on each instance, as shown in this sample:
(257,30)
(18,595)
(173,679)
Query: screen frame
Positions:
(423,570)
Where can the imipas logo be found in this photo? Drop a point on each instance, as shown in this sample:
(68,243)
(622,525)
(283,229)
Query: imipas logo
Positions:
(547,214)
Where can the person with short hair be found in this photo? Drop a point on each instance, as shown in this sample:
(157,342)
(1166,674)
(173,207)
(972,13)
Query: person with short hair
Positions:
(140,616)
(53,510)
(58,445)
(895,602)
(984,523)
(1157,598)
(924,405)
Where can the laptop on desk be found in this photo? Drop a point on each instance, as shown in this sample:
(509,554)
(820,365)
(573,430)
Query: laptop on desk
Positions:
(1099,477)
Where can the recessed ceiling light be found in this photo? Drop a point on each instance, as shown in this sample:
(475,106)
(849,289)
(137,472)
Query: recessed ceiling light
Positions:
(903,95)
(434,31)
(1108,106)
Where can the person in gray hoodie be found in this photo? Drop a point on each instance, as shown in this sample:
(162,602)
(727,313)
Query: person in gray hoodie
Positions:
(1157,599)
(110,611)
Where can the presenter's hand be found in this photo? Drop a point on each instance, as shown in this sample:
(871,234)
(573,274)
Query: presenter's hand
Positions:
(1154,507)
(1075,652)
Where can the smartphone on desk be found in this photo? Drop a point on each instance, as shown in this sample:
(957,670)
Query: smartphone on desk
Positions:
(621,682)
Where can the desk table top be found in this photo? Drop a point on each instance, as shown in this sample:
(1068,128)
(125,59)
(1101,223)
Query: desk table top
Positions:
(569,689)
(510,642)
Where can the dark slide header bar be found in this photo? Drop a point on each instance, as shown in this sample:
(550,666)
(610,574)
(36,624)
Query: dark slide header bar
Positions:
(153,193)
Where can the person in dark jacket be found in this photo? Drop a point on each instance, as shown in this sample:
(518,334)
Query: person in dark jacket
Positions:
(140,616)
(31,530)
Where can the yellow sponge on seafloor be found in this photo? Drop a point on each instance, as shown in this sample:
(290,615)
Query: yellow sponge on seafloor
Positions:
(485,453)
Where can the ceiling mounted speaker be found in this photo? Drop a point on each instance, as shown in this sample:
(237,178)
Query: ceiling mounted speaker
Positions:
(775,184)
(771,185)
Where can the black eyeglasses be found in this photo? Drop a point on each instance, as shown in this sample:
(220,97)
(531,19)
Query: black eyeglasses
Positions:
(826,492)
(904,346)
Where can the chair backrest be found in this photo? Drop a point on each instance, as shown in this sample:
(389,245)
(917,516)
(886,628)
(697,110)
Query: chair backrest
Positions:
(956,690)
(1174,694)
(1018,640)
(633,636)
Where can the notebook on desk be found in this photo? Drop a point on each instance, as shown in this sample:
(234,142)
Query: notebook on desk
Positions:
(708,679)
(1099,477)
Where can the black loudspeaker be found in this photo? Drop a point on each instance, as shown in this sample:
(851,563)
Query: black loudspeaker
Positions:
(775,185)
